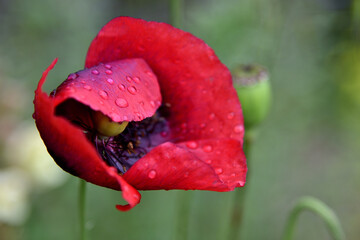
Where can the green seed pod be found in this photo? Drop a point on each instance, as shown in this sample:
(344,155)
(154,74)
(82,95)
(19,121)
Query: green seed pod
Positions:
(107,127)
(252,84)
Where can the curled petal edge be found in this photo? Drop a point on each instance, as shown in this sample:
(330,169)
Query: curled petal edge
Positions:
(102,174)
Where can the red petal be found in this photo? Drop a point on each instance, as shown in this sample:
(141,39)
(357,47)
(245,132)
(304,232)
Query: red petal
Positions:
(194,83)
(125,90)
(201,165)
(71,150)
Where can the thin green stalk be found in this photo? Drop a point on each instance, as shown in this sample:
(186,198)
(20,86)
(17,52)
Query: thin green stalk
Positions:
(322,210)
(176,13)
(82,202)
(240,194)
(183,214)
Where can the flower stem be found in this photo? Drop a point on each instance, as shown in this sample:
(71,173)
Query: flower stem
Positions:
(176,11)
(322,210)
(239,194)
(183,214)
(82,202)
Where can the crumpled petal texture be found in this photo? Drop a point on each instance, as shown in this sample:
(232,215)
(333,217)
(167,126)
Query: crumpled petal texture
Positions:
(204,148)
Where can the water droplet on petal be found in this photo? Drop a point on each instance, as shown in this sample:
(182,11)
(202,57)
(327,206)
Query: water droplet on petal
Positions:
(218,152)
(95,72)
(72,76)
(136,79)
(108,72)
(101,102)
(121,87)
(238,129)
(110,81)
(115,117)
(212,116)
(208,161)
(218,170)
(233,175)
(132,90)
(231,115)
(108,66)
(192,144)
(211,130)
(87,87)
(103,94)
(241,183)
(152,174)
(129,79)
(121,102)
(203,125)
(152,104)
(70,89)
(150,74)
(208,148)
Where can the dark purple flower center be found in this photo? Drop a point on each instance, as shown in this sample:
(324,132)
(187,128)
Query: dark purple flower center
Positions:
(124,150)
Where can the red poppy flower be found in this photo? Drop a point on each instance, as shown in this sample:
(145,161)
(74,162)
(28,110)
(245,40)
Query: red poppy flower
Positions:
(184,121)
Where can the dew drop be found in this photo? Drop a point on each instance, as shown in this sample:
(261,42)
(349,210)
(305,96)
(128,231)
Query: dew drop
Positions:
(110,81)
(95,72)
(233,175)
(192,144)
(142,103)
(101,102)
(211,130)
(241,183)
(218,170)
(238,129)
(152,104)
(108,72)
(129,79)
(203,125)
(121,102)
(218,152)
(72,76)
(87,87)
(208,161)
(115,117)
(212,116)
(150,74)
(231,115)
(108,66)
(136,79)
(207,148)
(103,94)
(152,174)
(132,90)
(83,81)
(121,87)
(70,89)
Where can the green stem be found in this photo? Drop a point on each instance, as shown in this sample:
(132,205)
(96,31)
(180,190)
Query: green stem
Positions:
(82,202)
(322,210)
(176,11)
(240,194)
(183,214)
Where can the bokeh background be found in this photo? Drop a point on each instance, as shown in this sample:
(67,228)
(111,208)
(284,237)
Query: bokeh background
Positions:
(308,145)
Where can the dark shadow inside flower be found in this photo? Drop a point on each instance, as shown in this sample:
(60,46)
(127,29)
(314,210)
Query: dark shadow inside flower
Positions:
(122,150)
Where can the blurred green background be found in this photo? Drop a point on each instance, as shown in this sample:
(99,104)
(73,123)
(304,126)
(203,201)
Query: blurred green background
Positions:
(308,145)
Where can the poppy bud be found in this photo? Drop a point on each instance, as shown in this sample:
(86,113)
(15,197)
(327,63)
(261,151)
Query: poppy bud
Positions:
(251,82)
(106,127)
